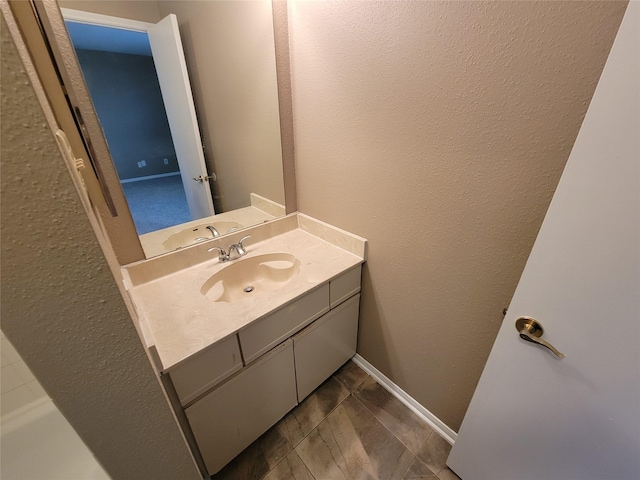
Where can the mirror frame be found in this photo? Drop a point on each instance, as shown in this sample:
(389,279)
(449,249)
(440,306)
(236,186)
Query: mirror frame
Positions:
(117,222)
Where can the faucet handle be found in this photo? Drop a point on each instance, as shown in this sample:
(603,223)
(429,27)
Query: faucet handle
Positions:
(222,255)
(240,246)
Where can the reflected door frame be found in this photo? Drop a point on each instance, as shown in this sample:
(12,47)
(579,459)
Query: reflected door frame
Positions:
(174,82)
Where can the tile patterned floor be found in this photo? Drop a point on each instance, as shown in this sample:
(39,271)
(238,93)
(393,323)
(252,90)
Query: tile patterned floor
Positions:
(349,428)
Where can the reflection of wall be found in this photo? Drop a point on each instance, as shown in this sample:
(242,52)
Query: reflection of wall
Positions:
(127,98)
(61,307)
(438,131)
(141,10)
(230,54)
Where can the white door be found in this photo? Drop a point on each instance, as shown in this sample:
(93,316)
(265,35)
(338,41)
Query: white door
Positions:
(171,68)
(539,417)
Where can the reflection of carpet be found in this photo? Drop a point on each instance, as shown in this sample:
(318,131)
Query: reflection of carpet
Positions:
(157,203)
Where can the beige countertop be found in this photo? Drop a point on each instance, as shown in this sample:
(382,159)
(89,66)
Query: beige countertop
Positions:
(180,321)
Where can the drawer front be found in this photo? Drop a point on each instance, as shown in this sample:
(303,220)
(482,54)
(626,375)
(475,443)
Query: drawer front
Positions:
(261,336)
(232,416)
(203,371)
(345,286)
(325,345)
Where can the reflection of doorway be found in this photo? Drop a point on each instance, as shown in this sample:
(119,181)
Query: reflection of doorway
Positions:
(172,76)
(121,77)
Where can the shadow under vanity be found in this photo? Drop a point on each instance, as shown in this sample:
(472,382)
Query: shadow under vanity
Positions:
(236,364)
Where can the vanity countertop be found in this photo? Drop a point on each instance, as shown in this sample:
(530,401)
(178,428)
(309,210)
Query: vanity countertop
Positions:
(180,321)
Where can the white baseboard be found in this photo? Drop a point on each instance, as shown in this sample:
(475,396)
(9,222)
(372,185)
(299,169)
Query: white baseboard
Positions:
(438,425)
(149,177)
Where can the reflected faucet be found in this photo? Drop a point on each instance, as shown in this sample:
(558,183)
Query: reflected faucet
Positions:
(213,231)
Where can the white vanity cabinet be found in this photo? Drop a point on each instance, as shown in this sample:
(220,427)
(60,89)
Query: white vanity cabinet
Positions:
(233,367)
(231,417)
(286,355)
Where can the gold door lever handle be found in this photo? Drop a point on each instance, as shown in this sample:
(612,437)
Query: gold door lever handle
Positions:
(531,331)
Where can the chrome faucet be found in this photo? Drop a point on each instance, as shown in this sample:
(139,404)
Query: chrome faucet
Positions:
(213,231)
(223,256)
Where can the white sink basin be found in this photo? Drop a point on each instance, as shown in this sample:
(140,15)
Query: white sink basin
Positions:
(250,277)
(197,233)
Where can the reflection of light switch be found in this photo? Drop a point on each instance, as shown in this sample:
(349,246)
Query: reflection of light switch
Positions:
(166,161)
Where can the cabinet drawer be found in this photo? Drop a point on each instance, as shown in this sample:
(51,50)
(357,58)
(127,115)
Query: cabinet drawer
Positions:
(203,371)
(266,333)
(325,345)
(345,286)
(232,416)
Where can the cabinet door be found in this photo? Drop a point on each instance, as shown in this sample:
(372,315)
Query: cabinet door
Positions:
(325,345)
(232,416)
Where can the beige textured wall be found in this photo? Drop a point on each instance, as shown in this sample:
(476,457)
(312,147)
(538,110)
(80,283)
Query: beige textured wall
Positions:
(438,131)
(61,307)
(229,47)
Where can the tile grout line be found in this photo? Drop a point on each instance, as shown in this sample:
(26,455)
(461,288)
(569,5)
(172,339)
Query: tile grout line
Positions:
(311,431)
(391,432)
(414,455)
(434,431)
(293,447)
(351,393)
(346,387)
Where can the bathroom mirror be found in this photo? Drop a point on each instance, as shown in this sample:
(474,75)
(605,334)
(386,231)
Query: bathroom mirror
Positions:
(229,53)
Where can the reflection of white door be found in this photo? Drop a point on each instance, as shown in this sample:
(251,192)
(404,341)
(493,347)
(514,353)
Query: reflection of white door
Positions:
(537,417)
(171,68)
(175,87)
